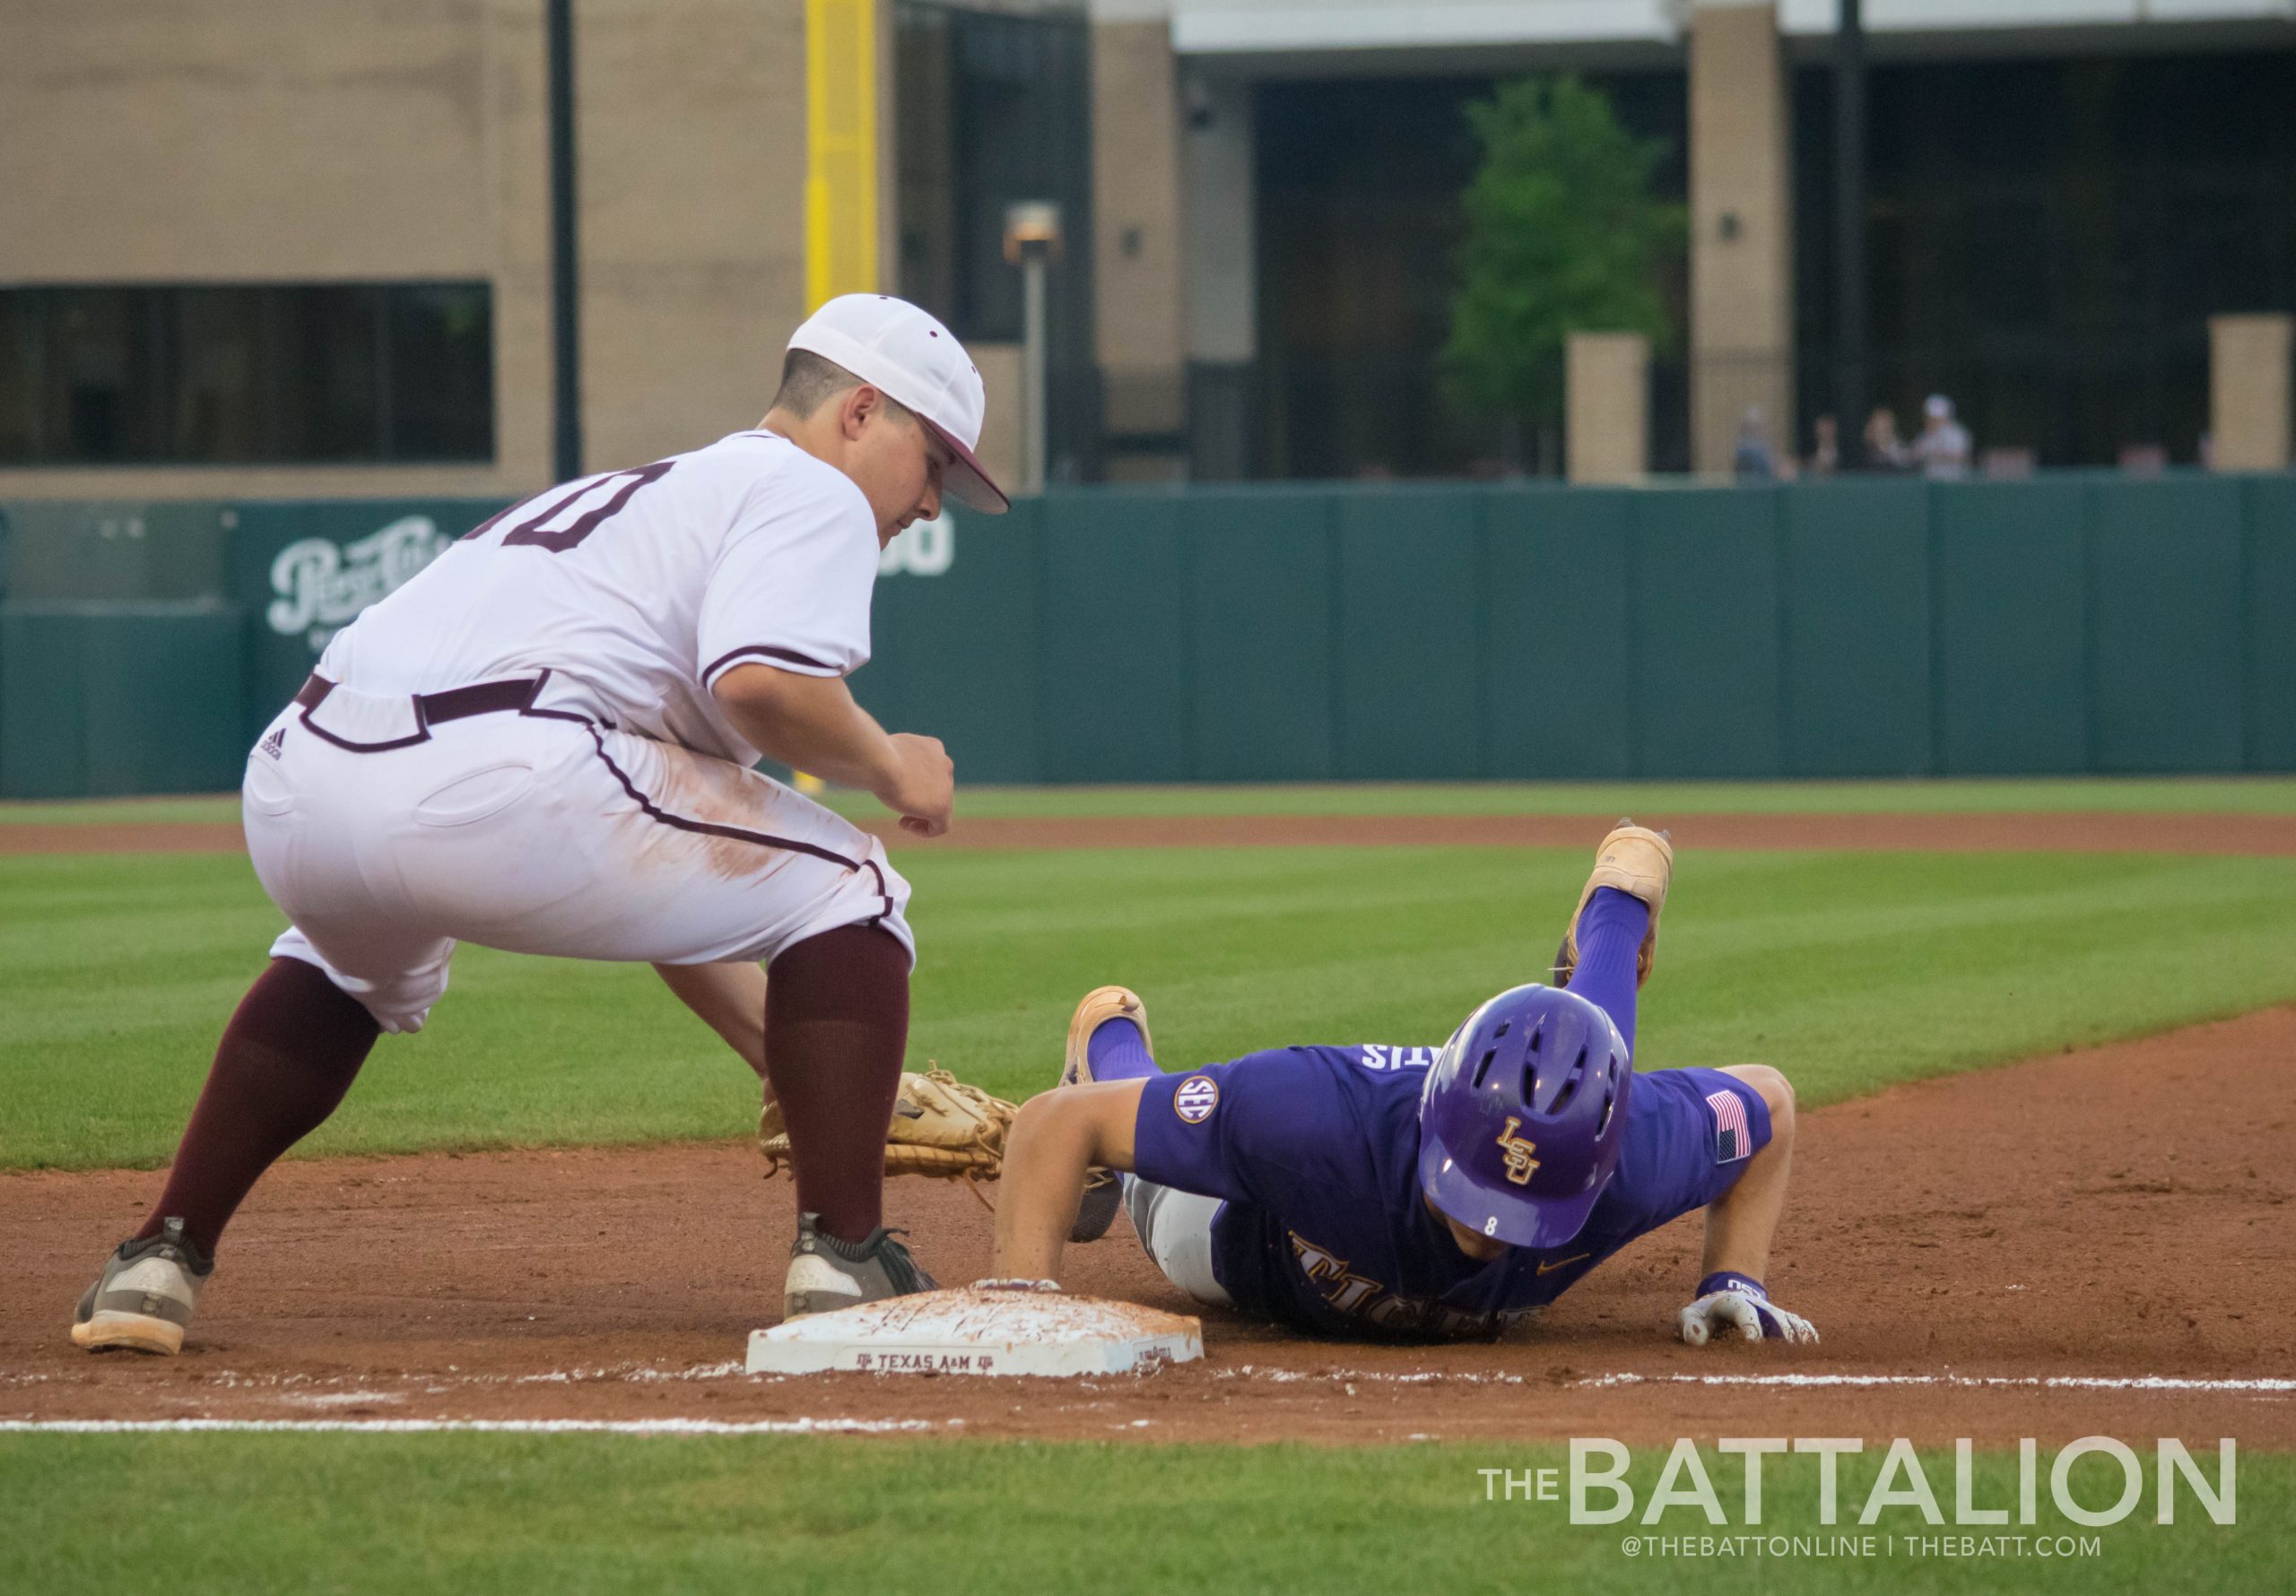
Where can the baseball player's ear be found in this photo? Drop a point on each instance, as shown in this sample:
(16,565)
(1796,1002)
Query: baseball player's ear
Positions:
(860,405)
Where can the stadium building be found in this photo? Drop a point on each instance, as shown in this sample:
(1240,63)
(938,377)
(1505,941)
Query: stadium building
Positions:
(303,248)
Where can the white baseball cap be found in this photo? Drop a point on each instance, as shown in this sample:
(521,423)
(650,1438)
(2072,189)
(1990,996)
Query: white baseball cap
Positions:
(903,351)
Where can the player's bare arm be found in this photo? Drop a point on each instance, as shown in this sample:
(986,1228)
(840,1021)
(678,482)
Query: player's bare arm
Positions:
(1740,1226)
(1741,1223)
(813,723)
(1057,1139)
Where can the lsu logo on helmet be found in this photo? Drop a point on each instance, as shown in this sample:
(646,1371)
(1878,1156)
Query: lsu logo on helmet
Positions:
(1517,1153)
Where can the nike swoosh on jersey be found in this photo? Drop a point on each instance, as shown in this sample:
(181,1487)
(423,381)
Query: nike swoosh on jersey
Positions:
(1548,1269)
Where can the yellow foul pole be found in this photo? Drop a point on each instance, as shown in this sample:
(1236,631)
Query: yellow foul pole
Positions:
(840,164)
(840,149)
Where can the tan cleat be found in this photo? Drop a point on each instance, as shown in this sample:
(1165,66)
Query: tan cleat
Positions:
(1102,1004)
(1102,1191)
(145,1296)
(1639,862)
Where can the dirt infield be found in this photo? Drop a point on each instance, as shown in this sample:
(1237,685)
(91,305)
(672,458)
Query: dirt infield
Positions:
(2083,833)
(2095,1243)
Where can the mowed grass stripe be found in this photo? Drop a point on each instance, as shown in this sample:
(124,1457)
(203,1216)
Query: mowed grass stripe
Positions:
(2257,795)
(2177,795)
(1851,971)
(515,1514)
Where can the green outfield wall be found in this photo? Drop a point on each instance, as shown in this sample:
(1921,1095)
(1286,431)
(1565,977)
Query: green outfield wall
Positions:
(1855,628)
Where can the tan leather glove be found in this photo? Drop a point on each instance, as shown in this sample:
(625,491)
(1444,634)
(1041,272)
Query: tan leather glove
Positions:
(941,1127)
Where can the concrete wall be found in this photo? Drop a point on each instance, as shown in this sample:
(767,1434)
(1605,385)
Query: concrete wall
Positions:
(1742,227)
(1219,195)
(1607,386)
(694,231)
(149,140)
(2248,400)
(1223,211)
(1274,28)
(1000,425)
(1277,26)
(327,140)
(1138,296)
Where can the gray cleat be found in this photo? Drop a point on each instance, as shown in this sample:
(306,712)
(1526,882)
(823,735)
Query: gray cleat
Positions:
(144,1297)
(826,1274)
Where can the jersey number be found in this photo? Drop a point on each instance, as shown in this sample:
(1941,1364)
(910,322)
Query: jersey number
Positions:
(617,487)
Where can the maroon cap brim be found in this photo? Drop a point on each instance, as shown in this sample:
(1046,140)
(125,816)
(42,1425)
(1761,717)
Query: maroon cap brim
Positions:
(965,480)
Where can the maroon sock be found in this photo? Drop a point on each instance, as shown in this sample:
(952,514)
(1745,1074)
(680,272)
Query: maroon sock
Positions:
(286,1059)
(836,1028)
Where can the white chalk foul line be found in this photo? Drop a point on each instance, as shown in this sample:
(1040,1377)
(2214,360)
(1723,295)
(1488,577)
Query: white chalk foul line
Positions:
(501,1427)
(1972,1381)
(2256,1387)
(362,1387)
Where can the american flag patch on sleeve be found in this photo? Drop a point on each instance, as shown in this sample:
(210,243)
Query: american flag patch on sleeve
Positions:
(1732,1140)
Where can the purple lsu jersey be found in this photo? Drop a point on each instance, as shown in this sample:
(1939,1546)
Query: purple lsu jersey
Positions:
(1315,1152)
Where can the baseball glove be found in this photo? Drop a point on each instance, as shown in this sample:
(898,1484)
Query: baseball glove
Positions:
(941,1127)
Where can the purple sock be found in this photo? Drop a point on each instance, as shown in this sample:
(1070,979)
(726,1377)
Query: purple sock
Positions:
(1610,935)
(1116,1051)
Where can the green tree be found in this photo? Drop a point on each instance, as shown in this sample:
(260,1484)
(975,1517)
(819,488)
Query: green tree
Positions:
(1564,234)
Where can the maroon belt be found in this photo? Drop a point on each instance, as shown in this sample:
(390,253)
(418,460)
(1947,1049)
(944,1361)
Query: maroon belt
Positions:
(455,703)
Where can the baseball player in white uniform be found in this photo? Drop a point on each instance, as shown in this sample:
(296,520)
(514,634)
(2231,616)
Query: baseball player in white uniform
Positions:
(544,743)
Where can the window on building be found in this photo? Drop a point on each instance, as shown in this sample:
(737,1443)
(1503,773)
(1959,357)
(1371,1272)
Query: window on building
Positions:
(2048,237)
(1357,184)
(994,108)
(301,374)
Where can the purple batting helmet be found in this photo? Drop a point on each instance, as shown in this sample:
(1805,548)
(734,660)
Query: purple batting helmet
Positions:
(1522,1117)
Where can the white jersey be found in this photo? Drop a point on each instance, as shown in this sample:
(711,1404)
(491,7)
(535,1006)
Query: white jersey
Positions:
(637,589)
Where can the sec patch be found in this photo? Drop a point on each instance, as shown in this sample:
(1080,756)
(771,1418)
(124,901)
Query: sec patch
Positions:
(1199,1096)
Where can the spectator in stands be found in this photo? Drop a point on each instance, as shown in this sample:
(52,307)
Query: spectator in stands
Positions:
(1752,460)
(1942,450)
(1884,449)
(1825,451)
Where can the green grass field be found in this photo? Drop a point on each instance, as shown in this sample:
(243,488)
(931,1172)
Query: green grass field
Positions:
(517,1515)
(1851,971)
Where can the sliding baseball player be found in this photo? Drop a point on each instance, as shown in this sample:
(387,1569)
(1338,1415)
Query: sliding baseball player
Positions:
(1368,1192)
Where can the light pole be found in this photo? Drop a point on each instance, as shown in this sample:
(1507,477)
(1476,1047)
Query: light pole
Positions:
(1032,242)
(1852,373)
(565,249)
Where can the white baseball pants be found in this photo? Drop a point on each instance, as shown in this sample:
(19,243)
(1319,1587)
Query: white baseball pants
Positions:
(1175,1228)
(536,833)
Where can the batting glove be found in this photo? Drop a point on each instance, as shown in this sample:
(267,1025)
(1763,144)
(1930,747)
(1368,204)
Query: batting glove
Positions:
(1734,1303)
